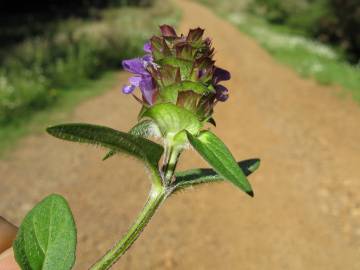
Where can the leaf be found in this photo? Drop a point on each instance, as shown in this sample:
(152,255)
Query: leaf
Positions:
(172,119)
(215,152)
(46,239)
(146,128)
(205,175)
(114,140)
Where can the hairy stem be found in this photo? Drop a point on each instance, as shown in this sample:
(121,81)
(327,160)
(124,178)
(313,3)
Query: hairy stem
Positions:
(159,192)
(171,163)
(156,197)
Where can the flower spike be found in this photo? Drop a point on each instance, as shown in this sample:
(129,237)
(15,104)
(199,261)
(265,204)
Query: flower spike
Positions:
(174,65)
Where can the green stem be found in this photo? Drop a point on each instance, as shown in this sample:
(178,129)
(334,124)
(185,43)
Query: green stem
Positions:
(156,197)
(171,163)
(158,193)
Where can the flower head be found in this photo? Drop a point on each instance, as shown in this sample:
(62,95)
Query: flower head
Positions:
(179,69)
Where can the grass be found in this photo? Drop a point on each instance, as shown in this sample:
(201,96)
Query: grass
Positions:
(311,59)
(59,111)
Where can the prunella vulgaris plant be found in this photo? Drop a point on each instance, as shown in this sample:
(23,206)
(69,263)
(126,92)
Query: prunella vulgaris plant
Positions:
(177,84)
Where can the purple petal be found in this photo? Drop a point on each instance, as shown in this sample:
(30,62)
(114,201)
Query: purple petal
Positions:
(147,89)
(147,47)
(222,93)
(135,66)
(135,81)
(147,60)
(127,89)
(220,75)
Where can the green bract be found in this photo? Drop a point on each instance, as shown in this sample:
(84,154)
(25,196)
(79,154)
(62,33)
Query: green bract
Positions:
(172,119)
(170,93)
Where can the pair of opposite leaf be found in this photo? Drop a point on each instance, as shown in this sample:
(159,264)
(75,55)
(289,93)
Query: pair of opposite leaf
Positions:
(209,146)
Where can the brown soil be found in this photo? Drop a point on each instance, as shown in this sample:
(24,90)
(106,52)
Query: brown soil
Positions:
(306,212)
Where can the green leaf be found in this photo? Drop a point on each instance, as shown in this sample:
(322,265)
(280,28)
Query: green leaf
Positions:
(170,92)
(172,119)
(195,177)
(146,128)
(46,239)
(114,140)
(215,152)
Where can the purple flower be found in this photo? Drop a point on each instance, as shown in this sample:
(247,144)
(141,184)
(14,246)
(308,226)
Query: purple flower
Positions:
(142,78)
(147,47)
(222,93)
(220,75)
(135,66)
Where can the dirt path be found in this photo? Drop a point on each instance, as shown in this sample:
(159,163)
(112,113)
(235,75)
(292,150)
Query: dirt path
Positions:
(306,213)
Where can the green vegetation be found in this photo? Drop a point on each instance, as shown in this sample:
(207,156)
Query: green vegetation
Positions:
(291,46)
(37,121)
(331,21)
(53,69)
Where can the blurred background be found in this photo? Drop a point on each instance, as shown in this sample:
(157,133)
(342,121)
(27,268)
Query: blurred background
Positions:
(317,38)
(294,102)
